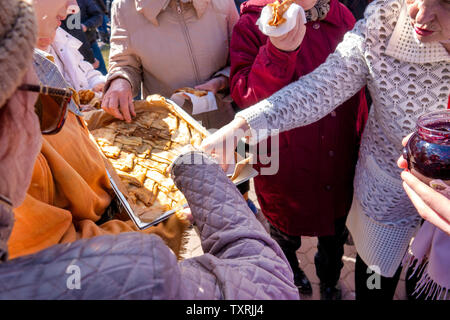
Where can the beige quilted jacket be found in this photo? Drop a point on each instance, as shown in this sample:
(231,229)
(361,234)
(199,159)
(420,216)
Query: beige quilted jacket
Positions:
(168,44)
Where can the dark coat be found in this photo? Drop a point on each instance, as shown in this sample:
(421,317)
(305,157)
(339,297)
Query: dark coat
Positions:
(357,7)
(91,17)
(238,4)
(314,183)
(85,48)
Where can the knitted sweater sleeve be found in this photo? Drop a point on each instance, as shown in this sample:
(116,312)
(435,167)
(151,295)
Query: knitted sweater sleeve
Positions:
(313,96)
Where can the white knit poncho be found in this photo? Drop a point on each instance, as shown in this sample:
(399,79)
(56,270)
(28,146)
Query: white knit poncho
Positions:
(406,79)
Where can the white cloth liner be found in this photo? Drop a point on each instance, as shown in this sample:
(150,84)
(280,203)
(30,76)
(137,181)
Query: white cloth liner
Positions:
(291,18)
(203,104)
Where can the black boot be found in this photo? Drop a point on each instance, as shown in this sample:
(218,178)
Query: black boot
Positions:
(330,292)
(302,282)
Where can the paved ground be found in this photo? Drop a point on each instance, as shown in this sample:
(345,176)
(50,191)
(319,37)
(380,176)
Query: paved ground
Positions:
(306,257)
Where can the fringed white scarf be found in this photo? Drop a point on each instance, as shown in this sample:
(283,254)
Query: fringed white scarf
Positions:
(430,252)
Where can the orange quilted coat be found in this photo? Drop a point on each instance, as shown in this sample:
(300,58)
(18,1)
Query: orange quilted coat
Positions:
(69,192)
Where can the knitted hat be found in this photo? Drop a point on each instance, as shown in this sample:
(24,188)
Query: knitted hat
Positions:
(17,40)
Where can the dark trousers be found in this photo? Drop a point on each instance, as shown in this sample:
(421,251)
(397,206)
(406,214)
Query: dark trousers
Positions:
(364,281)
(328,259)
(98,55)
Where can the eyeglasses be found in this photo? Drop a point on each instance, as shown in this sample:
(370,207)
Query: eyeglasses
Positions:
(51,106)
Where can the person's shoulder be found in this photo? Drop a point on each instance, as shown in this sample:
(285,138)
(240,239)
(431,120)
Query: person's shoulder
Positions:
(251,10)
(123,4)
(383,8)
(250,13)
(222,5)
(382,15)
(260,3)
(340,14)
(123,7)
(225,5)
(62,36)
(254,6)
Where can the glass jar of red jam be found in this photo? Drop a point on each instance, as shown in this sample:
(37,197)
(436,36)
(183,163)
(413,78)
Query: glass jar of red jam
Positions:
(428,149)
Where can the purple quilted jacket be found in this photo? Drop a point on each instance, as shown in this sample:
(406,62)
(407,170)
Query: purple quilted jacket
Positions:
(241,261)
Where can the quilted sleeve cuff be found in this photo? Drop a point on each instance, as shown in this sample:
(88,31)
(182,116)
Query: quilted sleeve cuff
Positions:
(189,156)
(215,202)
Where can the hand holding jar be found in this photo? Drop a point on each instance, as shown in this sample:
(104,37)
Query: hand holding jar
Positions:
(426,159)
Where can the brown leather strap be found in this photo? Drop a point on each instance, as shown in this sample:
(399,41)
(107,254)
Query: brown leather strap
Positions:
(5,201)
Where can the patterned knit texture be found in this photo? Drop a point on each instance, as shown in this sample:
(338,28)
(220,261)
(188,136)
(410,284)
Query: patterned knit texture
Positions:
(401,92)
(17,40)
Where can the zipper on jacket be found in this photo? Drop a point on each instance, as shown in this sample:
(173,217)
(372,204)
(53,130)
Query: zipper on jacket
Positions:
(188,41)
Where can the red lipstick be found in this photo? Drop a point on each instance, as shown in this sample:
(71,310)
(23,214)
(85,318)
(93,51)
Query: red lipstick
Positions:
(423,32)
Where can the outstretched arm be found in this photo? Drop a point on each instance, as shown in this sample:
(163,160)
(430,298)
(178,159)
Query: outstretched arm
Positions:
(313,96)
(241,260)
(300,103)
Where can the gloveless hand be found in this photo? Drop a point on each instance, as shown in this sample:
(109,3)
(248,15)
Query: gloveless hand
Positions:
(291,40)
(96,64)
(214,85)
(222,144)
(98,87)
(430,204)
(118,100)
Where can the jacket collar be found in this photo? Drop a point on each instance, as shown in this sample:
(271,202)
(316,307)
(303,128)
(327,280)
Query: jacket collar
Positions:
(63,38)
(152,8)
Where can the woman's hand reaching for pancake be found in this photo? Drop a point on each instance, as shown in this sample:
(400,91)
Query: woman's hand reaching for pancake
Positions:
(214,85)
(118,100)
(222,143)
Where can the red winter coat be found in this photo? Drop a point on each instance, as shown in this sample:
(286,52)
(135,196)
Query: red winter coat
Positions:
(314,183)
